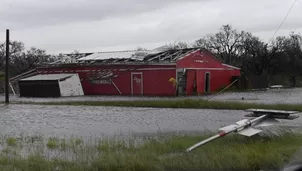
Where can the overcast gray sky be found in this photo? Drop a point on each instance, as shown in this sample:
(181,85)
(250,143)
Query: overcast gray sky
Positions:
(99,25)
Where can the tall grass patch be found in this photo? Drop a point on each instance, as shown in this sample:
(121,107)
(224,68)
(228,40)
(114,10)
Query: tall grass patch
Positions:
(158,153)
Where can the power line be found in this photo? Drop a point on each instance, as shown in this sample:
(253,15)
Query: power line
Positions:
(293,4)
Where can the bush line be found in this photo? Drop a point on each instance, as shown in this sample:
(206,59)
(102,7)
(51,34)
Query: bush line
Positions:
(187,103)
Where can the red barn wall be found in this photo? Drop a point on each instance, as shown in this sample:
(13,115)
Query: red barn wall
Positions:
(218,79)
(200,59)
(190,81)
(200,76)
(155,80)
(108,89)
(198,63)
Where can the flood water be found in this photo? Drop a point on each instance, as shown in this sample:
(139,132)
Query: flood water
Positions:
(271,96)
(86,121)
(98,121)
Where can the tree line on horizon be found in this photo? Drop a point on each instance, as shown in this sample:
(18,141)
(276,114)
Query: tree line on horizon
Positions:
(276,61)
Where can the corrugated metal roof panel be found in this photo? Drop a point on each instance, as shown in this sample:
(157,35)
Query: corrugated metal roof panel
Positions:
(108,55)
(47,77)
(135,54)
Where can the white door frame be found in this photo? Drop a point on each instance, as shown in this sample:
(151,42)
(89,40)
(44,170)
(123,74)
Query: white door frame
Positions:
(142,85)
(209,82)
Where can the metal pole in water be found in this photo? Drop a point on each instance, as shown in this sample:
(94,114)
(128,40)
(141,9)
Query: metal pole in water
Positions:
(6,68)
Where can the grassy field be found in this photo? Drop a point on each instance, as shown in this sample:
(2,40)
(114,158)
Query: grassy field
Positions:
(186,103)
(159,153)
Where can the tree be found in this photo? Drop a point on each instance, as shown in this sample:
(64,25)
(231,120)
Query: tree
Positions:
(179,45)
(260,58)
(226,44)
(1,76)
(290,49)
(255,55)
(29,60)
(16,49)
(282,57)
(21,60)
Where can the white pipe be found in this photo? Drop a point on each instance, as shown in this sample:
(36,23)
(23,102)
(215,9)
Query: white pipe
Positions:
(203,142)
(224,133)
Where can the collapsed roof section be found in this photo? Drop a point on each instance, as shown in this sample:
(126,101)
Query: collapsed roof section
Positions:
(159,55)
(78,55)
(169,55)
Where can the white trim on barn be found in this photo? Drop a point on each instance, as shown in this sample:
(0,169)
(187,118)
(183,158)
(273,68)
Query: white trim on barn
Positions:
(142,83)
(215,69)
(230,66)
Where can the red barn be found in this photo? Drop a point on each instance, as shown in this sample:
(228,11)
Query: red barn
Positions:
(190,71)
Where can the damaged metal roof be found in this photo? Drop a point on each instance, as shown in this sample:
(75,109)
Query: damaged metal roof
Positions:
(157,55)
(115,55)
(48,77)
(133,54)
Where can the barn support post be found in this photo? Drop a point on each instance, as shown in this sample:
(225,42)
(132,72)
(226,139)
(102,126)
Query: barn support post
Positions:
(115,86)
(223,89)
(6,67)
(13,90)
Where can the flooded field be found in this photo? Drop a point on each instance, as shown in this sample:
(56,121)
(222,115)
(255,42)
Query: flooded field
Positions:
(77,134)
(97,121)
(272,96)
(290,96)
(87,121)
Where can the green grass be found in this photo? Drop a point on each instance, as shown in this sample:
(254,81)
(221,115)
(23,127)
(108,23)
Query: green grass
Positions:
(52,143)
(11,141)
(187,103)
(160,153)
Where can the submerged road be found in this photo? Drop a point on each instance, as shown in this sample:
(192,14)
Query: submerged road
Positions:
(89,121)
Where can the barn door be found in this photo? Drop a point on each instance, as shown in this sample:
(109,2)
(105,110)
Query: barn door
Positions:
(137,83)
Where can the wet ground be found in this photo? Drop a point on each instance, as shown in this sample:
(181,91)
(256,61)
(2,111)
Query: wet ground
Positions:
(289,96)
(272,96)
(87,121)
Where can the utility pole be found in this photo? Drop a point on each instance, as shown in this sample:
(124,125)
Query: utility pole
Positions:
(6,68)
